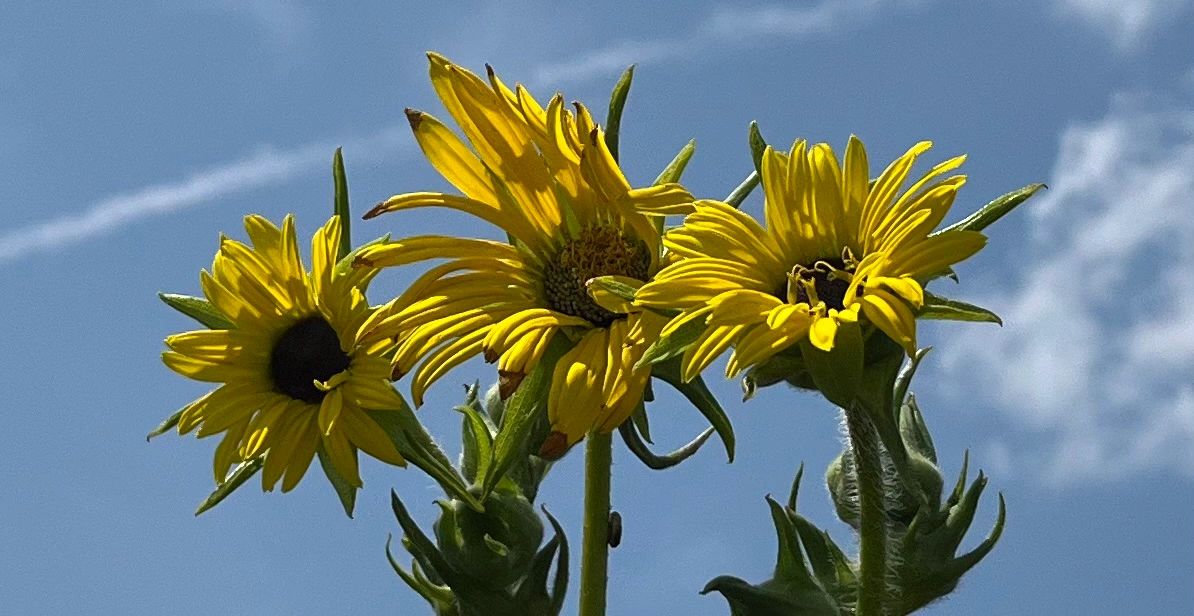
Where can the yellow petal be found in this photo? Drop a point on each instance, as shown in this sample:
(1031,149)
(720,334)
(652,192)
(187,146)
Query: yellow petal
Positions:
(822,333)
(423,247)
(451,157)
(892,316)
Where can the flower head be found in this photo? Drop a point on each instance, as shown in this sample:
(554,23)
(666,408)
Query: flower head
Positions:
(545,176)
(293,377)
(837,248)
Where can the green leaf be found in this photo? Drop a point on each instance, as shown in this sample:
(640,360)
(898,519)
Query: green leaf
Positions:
(837,373)
(994,210)
(166,425)
(526,409)
(346,491)
(346,262)
(617,101)
(744,189)
(440,597)
(634,442)
(672,172)
(757,146)
(197,308)
(943,308)
(341,203)
(904,377)
(672,345)
(790,565)
(421,545)
(913,430)
(642,423)
(613,285)
(242,473)
(559,587)
(478,439)
(700,397)
(419,448)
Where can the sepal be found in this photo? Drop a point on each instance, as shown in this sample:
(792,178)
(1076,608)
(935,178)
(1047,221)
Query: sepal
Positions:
(812,574)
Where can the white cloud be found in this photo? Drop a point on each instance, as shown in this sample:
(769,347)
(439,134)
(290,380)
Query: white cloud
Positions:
(1125,22)
(1098,353)
(724,28)
(269,166)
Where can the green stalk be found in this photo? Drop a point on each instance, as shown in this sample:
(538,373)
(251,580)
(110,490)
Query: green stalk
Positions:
(864,444)
(594,559)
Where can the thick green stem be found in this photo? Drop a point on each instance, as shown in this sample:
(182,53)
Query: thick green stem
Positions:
(595,547)
(864,444)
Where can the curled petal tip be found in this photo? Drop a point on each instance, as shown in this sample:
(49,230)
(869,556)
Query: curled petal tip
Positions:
(554,446)
(377,210)
(415,117)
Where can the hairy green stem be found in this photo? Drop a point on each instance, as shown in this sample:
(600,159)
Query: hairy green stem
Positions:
(864,444)
(595,543)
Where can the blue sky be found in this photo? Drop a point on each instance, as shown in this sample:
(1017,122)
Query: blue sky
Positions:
(131,135)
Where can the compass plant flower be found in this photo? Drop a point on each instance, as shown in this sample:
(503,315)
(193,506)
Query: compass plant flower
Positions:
(293,378)
(545,176)
(836,250)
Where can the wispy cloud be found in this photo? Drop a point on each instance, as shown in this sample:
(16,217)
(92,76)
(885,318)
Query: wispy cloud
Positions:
(267,167)
(723,28)
(1099,347)
(1125,22)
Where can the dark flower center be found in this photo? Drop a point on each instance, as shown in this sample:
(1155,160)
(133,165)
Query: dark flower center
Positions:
(826,279)
(307,352)
(597,251)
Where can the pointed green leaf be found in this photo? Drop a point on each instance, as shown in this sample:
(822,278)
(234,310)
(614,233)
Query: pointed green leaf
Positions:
(617,101)
(965,562)
(346,491)
(749,600)
(634,442)
(675,169)
(943,308)
(743,190)
(757,146)
(994,210)
(167,424)
(421,545)
(642,423)
(611,284)
(526,410)
(699,395)
(559,587)
(197,308)
(345,264)
(236,479)
(790,565)
(439,597)
(914,431)
(478,439)
(904,377)
(795,492)
(673,344)
(961,516)
(960,486)
(341,203)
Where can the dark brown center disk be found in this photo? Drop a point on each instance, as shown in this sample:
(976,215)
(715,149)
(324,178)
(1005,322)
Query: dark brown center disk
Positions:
(597,251)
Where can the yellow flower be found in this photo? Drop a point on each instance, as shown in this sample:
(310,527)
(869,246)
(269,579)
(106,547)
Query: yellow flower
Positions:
(545,177)
(293,377)
(836,248)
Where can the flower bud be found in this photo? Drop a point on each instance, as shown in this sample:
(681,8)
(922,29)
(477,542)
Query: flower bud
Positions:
(493,548)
